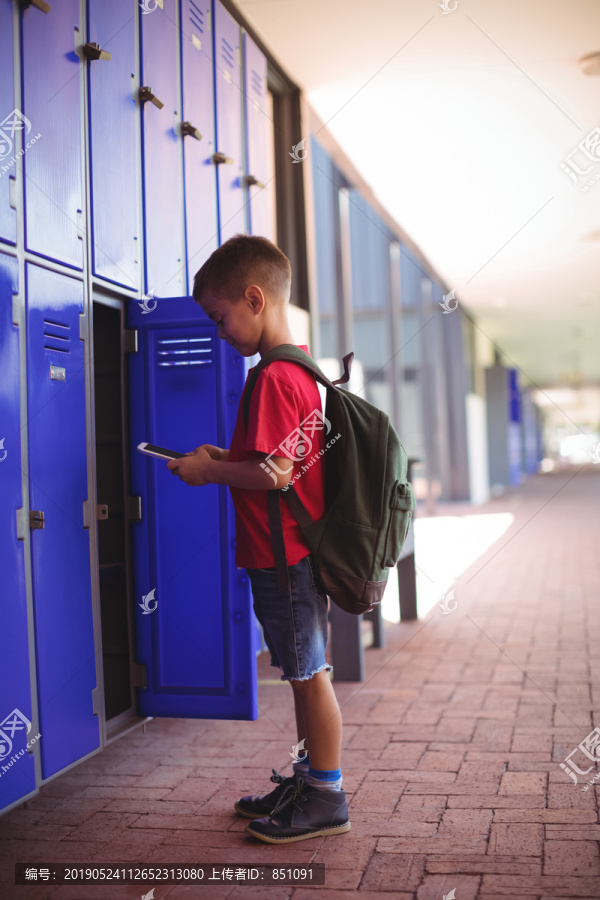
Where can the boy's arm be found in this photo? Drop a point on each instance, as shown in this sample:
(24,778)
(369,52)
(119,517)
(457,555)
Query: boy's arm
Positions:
(200,468)
(219,453)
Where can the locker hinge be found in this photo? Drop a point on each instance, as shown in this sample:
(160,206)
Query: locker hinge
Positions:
(139,675)
(91,512)
(22,523)
(96,701)
(130,340)
(12,191)
(83,326)
(80,225)
(41,4)
(134,509)
(17,311)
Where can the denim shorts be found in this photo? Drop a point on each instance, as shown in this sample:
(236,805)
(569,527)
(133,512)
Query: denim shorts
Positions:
(294,622)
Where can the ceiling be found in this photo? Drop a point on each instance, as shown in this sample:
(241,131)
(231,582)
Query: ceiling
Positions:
(459,122)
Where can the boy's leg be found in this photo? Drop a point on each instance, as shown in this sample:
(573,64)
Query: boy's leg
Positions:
(321,719)
(318,805)
(299,720)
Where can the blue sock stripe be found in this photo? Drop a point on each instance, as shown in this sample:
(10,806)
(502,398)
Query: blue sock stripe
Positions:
(325,774)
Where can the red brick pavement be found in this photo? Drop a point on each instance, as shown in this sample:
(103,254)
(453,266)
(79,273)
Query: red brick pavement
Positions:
(451,754)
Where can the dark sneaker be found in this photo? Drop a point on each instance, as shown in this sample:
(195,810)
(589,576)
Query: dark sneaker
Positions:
(302,812)
(256,807)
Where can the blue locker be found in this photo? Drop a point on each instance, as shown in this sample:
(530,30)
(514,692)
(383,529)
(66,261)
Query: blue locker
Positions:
(228,111)
(8,216)
(409,338)
(51,105)
(514,415)
(197,645)
(113,148)
(17,776)
(259,136)
(200,176)
(66,669)
(161,152)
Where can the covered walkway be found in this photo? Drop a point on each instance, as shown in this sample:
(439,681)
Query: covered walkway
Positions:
(452,755)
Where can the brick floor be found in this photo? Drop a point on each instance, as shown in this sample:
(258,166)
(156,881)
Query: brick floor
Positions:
(452,748)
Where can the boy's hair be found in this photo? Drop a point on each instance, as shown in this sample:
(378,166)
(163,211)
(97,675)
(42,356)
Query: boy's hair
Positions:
(242,260)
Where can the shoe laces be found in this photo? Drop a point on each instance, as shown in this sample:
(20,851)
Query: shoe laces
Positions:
(276,777)
(290,794)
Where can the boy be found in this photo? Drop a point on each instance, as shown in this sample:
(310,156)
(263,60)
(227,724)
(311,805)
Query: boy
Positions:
(244,287)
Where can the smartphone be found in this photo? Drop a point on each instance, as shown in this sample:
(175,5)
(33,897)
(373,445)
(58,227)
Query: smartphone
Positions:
(159,452)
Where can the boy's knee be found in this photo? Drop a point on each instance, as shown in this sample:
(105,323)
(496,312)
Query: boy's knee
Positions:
(306,684)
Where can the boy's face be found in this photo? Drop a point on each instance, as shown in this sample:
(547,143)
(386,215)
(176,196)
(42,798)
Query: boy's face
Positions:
(238,322)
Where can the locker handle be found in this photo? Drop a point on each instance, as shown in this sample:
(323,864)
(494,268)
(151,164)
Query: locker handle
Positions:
(94,51)
(45,7)
(251,181)
(188,128)
(219,158)
(145,93)
(36,519)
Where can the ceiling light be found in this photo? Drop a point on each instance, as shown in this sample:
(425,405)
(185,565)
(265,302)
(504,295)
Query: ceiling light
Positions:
(591,236)
(590,64)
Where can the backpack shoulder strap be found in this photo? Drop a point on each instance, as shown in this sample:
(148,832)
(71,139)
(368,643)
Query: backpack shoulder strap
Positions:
(291,353)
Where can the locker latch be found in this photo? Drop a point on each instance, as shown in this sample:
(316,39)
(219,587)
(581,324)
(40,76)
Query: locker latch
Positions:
(219,158)
(94,51)
(251,181)
(140,677)
(188,128)
(91,512)
(36,518)
(45,7)
(130,342)
(134,509)
(145,93)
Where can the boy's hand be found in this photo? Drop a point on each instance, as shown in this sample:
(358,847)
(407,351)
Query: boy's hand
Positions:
(193,468)
(214,452)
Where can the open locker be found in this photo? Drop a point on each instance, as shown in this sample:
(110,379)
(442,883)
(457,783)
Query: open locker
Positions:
(178,631)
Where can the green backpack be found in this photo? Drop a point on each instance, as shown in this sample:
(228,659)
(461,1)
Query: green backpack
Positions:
(368,500)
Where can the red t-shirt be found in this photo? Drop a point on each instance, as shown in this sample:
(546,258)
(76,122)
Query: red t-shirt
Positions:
(282,422)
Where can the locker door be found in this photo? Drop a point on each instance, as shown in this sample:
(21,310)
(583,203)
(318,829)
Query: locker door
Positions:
(200,178)
(8,216)
(113,144)
(228,110)
(58,488)
(258,140)
(51,104)
(195,643)
(17,775)
(161,150)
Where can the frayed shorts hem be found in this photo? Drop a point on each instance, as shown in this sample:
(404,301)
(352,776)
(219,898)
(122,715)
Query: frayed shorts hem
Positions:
(322,668)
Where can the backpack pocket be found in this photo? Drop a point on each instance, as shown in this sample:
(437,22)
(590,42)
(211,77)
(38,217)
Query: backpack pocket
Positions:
(402,503)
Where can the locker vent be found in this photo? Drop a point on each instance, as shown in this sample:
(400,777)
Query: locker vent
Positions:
(185,351)
(227,54)
(256,84)
(197,17)
(56,336)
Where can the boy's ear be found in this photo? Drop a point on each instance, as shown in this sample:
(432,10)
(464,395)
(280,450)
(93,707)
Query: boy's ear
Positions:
(255,297)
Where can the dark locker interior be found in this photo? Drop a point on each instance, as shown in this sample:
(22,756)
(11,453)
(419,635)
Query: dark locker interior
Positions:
(112,489)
